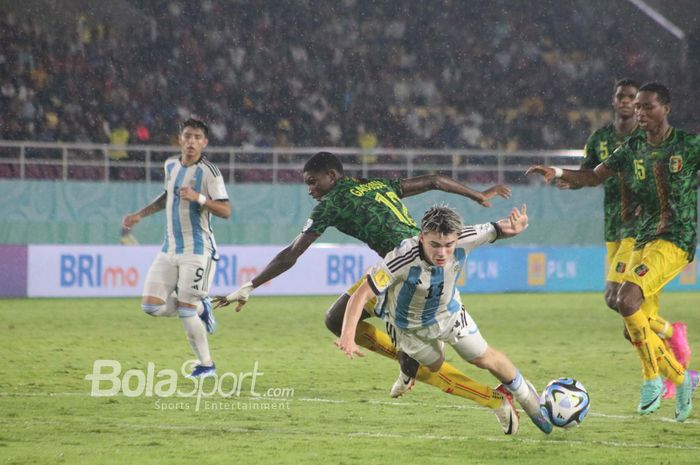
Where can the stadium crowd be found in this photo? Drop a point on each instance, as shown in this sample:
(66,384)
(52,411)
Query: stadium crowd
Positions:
(307,73)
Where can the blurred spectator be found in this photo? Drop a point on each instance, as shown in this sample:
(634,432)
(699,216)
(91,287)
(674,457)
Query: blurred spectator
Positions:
(492,75)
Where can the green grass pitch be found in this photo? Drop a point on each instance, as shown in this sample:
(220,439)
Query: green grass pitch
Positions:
(319,407)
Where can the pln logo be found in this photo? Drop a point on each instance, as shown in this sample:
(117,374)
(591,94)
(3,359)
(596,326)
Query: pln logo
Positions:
(536,269)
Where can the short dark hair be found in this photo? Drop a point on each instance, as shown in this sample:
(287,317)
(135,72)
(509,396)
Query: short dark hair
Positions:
(323,162)
(624,82)
(193,122)
(661,91)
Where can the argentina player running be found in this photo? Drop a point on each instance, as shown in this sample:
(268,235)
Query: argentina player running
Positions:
(417,295)
(181,274)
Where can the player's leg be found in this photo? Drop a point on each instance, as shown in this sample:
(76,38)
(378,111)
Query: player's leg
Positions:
(158,297)
(448,378)
(618,259)
(205,310)
(429,353)
(663,329)
(657,264)
(464,336)
(193,283)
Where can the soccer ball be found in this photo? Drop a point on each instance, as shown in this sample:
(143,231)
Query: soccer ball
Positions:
(565,402)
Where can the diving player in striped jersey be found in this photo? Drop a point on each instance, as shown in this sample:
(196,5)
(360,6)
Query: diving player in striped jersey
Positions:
(181,274)
(416,292)
(372,211)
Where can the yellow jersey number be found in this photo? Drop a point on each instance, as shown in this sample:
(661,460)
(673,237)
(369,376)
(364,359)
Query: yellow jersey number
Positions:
(640,173)
(393,201)
(603,150)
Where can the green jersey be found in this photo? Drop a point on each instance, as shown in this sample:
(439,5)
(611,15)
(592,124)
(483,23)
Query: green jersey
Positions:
(368,210)
(664,183)
(618,205)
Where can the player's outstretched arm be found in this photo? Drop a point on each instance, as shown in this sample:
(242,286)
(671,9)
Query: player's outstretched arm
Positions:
(353,312)
(283,261)
(155,206)
(578,178)
(419,184)
(516,223)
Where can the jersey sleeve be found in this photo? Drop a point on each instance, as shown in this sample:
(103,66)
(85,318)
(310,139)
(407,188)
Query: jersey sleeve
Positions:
(617,159)
(395,185)
(471,237)
(694,146)
(591,159)
(321,218)
(214,187)
(167,169)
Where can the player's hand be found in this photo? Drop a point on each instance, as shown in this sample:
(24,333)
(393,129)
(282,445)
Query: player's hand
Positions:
(129,221)
(518,220)
(188,193)
(240,295)
(346,343)
(546,171)
(499,189)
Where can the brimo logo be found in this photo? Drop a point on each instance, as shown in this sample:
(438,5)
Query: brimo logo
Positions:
(107,380)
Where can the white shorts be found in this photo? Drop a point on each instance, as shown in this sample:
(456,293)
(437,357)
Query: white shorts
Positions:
(191,275)
(425,344)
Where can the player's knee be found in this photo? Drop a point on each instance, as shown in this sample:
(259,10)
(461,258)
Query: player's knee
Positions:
(488,359)
(409,366)
(611,297)
(629,300)
(152,309)
(186,312)
(435,366)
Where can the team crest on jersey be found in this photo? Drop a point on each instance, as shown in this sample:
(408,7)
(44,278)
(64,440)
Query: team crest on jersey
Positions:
(675,163)
(380,278)
(641,270)
(620,268)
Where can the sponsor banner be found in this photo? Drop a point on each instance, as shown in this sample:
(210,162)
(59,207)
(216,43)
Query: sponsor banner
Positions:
(13,270)
(521,269)
(119,271)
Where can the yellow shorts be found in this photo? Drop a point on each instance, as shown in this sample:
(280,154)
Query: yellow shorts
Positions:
(618,258)
(369,306)
(654,266)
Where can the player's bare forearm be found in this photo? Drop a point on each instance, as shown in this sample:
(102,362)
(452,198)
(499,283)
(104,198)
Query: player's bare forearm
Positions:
(428,182)
(353,313)
(220,208)
(155,206)
(285,259)
(579,178)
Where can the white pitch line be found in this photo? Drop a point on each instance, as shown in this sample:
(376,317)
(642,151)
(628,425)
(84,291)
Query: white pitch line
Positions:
(474,407)
(372,402)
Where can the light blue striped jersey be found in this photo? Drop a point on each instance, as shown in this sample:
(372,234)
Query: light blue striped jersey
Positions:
(187,224)
(413,293)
